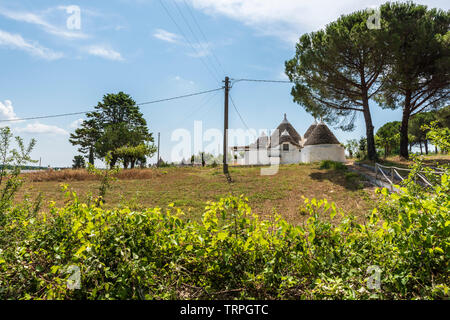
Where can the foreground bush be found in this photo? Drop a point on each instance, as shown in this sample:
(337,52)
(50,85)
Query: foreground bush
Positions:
(231,253)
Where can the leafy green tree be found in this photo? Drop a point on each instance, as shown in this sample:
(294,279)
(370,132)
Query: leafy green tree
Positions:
(439,136)
(123,124)
(86,137)
(417,129)
(417,77)
(362,148)
(115,123)
(133,155)
(352,147)
(442,117)
(337,71)
(388,137)
(78,162)
(411,139)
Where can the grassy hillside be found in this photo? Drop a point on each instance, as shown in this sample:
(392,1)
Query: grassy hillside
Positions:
(189,188)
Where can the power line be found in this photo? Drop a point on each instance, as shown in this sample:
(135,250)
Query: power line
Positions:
(187,40)
(191,12)
(150,102)
(260,80)
(45,117)
(252,80)
(84,112)
(194,35)
(179,97)
(199,106)
(235,108)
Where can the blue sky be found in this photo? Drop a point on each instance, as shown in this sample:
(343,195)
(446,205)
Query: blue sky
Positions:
(49,66)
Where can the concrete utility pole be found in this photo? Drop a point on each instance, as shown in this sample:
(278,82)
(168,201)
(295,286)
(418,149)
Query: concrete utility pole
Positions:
(157,160)
(225,127)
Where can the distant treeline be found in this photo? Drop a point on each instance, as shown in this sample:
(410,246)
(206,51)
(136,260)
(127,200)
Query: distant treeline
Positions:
(9,167)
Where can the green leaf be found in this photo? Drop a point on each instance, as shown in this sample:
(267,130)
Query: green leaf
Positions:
(222,236)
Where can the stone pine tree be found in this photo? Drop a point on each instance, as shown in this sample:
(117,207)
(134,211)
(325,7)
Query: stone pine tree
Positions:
(336,71)
(116,124)
(417,74)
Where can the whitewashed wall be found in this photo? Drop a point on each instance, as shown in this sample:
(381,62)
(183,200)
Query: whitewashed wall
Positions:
(321,152)
(261,157)
(291,156)
(255,157)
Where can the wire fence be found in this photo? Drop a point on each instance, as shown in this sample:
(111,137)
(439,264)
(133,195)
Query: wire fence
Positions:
(393,175)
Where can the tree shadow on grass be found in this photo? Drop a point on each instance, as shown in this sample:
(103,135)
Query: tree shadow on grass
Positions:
(347,179)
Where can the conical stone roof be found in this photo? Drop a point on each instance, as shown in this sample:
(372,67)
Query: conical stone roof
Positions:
(285,125)
(261,142)
(310,130)
(321,135)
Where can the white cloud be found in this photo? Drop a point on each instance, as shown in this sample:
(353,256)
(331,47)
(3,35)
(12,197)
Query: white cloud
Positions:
(201,50)
(38,20)
(104,52)
(40,128)
(167,36)
(15,41)
(287,19)
(196,50)
(182,80)
(7,111)
(76,124)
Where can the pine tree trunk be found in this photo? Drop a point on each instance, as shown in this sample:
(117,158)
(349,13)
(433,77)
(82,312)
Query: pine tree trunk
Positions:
(426,146)
(404,131)
(420,143)
(91,155)
(371,151)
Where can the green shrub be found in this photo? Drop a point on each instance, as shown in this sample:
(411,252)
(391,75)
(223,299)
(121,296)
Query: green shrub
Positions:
(230,253)
(329,164)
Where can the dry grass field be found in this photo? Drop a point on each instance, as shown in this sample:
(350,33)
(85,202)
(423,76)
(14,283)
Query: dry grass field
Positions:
(190,187)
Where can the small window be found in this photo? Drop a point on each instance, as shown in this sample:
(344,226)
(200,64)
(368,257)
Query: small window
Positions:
(286,147)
